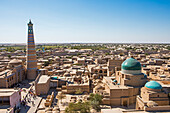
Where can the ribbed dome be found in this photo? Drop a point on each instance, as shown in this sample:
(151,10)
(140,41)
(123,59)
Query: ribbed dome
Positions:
(153,85)
(131,66)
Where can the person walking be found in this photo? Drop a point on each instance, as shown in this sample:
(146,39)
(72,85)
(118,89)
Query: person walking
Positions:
(24,104)
(33,103)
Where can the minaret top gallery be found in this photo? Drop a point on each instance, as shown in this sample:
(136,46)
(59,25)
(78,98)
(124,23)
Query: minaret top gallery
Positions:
(31,54)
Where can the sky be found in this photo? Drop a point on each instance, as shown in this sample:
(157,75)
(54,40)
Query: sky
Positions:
(86,21)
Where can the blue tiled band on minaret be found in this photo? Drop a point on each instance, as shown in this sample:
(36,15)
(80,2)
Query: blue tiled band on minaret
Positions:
(31,54)
(32,61)
(31,49)
(30,41)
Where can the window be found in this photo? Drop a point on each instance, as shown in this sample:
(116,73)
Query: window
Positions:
(127,77)
(100,71)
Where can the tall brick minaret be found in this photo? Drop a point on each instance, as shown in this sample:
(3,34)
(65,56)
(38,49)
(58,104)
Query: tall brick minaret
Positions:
(31,54)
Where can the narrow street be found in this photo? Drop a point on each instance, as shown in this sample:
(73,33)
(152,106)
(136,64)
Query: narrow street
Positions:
(31,103)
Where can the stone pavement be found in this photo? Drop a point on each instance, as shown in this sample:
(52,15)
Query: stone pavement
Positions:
(25,85)
(64,103)
(61,105)
(29,107)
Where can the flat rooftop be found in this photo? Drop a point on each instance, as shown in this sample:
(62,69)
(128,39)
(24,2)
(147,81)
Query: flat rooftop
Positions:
(109,82)
(43,79)
(4,73)
(7,92)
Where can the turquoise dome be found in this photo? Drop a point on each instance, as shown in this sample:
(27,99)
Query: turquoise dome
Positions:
(153,85)
(114,80)
(54,78)
(131,64)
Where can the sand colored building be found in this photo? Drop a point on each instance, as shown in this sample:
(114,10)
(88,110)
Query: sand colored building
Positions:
(118,95)
(123,89)
(31,54)
(112,65)
(81,61)
(42,84)
(9,100)
(130,74)
(97,71)
(152,98)
(73,88)
(77,84)
(49,100)
(15,73)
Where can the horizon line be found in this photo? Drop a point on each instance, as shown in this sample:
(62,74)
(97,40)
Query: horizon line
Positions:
(89,43)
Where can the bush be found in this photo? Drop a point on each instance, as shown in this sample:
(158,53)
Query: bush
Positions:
(9,56)
(46,63)
(78,92)
(80,107)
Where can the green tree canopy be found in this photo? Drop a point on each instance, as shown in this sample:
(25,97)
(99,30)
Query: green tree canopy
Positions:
(95,101)
(80,107)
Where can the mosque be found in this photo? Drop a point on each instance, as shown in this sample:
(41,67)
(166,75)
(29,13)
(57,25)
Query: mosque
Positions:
(122,89)
(130,87)
(152,98)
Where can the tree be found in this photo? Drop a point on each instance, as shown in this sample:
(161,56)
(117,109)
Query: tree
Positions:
(46,63)
(121,54)
(108,54)
(96,97)
(146,54)
(95,105)
(78,92)
(80,107)
(95,101)
(168,47)
(9,56)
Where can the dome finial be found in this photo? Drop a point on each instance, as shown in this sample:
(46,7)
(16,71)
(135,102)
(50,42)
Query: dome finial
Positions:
(30,21)
(132,56)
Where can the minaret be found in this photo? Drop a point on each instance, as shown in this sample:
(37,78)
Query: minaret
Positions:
(31,54)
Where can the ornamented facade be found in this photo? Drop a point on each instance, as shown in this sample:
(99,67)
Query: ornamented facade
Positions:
(31,54)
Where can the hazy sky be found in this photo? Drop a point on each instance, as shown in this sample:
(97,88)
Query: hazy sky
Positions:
(59,21)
